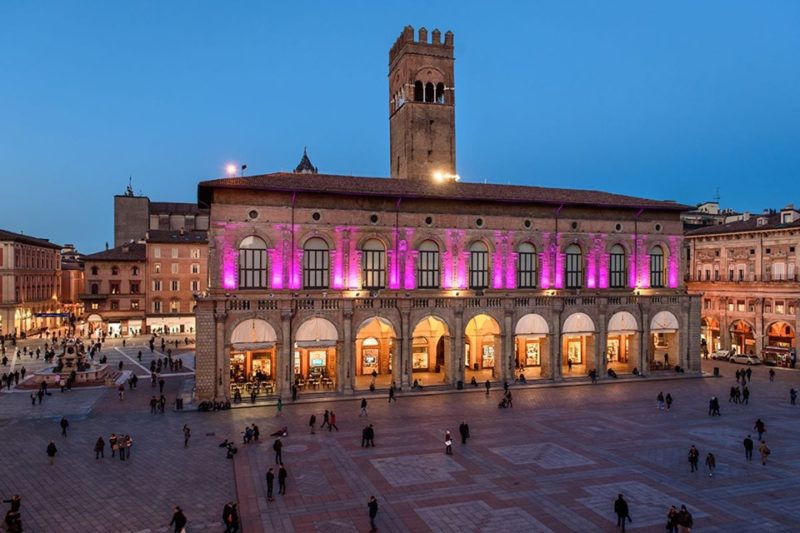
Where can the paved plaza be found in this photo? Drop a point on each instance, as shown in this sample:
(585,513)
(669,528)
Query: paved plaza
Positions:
(553,462)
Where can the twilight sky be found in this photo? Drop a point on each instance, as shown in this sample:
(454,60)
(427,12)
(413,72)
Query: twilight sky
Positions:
(668,100)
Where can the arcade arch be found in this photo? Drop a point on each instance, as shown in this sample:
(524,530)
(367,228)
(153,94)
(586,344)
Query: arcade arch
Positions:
(375,348)
(622,342)
(429,350)
(664,345)
(577,344)
(482,348)
(253,365)
(315,356)
(532,346)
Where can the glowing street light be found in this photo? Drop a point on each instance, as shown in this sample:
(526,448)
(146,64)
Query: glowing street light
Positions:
(230,169)
(440,176)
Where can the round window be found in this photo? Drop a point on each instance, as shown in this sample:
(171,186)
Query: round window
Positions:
(479,222)
(658,227)
(428,220)
(574,225)
(316,215)
(373,218)
(253,214)
(527,223)
(618,227)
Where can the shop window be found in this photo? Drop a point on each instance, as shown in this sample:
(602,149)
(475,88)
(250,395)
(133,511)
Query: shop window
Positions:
(428,266)
(252,263)
(616,267)
(316,264)
(526,266)
(373,267)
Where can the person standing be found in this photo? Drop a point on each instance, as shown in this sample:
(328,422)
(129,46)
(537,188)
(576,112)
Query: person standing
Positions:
(685,521)
(711,463)
(230,517)
(792,396)
(672,519)
(99,448)
(112,443)
(64,425)
(668,401)
(294,392)
(326,419)
(622,512)
(51,452)
(282,480)
(745,395)
(363,407)
(749,373)
(760,427)
(694,458)
(372,505)
(391,394)
(332,422)
(364,437)
(178,520)
(448,443)
(186,434)
(748,448)
(270,482)
(256,431)
(279,407)
(278,447)
(463,430)
(312,420)
(660,401)
(508,399)
(764,451)
(488,386)
(370,436)
(772,374)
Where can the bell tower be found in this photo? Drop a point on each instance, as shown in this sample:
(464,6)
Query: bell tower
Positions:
(422,128)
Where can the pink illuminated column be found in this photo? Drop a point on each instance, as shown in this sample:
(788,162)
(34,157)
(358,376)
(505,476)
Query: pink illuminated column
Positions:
(409,277)
(673,272)
(643,279)
(354,271)
(276,267)
(545,268)
(498,261)
(602,262)
(591,265)
(296,269)
(229,274)
(559,261)
(632,265)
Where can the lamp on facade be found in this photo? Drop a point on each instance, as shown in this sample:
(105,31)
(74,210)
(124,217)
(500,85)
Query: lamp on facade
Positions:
(230,169)
(441,177)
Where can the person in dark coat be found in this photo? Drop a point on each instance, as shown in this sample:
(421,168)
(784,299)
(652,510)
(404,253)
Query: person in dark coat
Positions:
(312,422)
(748,448)
(178,520)
(372,505)
(282,479)
(685,521)
(230,517)
(51,452)
(370,436)
(270,484)
(99,448)
(621,510)
(463,429)
(694,458)
(64,425)
(278,446)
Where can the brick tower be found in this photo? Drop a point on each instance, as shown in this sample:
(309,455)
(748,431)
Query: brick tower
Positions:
(422,127)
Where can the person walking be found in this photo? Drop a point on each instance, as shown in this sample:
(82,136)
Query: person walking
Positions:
(391,394)
(270,482)
(312,420)
(161,383)
(370,436)
(448,443)
(99,448)
(488,386)
(51,452)
(748,448)
(764,451)
(372,506)
(508,399)
(186,434)
(660,401)
(772,374)
(279,407)
(668,401)
(463,430)
(278,447)
(711,463)
(326,419)
(282,480)
(332,422)
(178,520)
(685,521)
(672,519)
(792,396)
(745,395)
(363,407)
(112,444)
(694,458)
(64,425)
(749,373)
(622,511)
(364,437)
(760,427)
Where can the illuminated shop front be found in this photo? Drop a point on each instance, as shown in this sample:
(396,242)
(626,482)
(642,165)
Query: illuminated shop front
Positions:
(482,350)
(375,344)
(253,357)
(531,337)
(622,342)
(316,355)
(428,349)
(664,348)
(577,344)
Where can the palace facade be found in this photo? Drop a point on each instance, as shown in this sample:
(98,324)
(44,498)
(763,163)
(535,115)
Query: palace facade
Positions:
(335,283)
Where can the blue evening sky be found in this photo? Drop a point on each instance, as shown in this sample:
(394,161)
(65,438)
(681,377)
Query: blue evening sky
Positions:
(669,100)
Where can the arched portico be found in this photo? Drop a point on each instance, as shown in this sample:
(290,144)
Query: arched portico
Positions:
(743,338)
(664,341)
(622,342)
(376,343)
(430,350)
(482,348)
(577,344)
(709,334)
(316,359)
(532,347)
(252,358)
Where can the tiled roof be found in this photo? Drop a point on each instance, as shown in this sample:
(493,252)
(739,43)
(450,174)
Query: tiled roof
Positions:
(26,239)
(176,208)
(134,251)
(168,236)
(773,222)
(351,185)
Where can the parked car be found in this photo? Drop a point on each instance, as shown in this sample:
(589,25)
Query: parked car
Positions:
(745,359)
(722,355)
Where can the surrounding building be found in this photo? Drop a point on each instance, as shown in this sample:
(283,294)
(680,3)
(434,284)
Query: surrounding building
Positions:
(709,214)
(30,284)
(335,282)
(114,297)
(134,216)
(72,282)
(747,274)
(177,270)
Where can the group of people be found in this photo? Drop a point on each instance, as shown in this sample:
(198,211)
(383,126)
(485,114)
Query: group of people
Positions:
(664,402)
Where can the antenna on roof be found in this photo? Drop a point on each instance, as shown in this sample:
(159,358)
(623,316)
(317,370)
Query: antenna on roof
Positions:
(129,190)
(716,196)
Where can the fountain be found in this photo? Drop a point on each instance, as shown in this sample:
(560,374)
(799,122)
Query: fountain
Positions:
(72,363)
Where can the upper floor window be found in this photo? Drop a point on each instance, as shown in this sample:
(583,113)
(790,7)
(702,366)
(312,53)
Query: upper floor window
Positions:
(95,270)
(134,287)
(115,270)
(114,285)
(157,268)
(316,264)
(657,267)
(616,267)
(573,269)
(195,268)
(135,271)
(174,253)
(156,252)
(195,254)
(526,266)
(478,266)
(428,266)
(95,288)
(252,263)
(373,268)
(174,268)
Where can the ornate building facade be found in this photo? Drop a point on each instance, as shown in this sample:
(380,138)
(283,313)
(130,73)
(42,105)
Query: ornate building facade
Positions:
(747,274)
(336,283)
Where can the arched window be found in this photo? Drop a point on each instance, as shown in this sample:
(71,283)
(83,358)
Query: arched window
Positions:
(95,270)
(429,92)
(478,266)
(440,93)
(428,266)
(616,267)
(252,263)
(573,269)
(657,267)
(316,264)
(418,92)
(373,265)
(526,266)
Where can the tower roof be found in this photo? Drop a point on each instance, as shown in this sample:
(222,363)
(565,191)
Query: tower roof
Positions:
(305,166)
